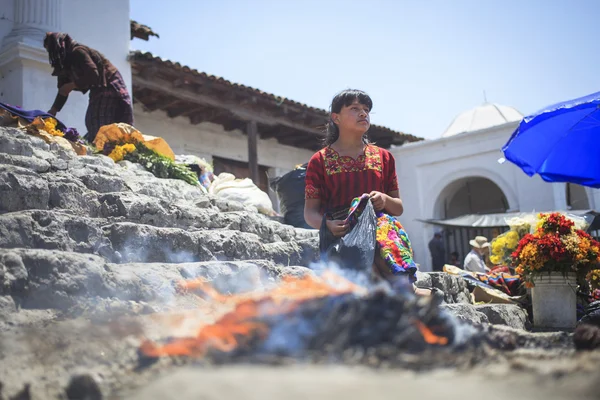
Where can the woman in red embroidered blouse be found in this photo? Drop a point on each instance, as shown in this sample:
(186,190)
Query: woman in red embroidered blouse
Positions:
(349,166)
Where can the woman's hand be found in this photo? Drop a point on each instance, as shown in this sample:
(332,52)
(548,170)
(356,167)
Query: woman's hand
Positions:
(337,227)
(379,200)
(52,111)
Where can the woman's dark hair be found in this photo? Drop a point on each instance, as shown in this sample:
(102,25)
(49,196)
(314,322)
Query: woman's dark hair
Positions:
(345,98)
(57,45)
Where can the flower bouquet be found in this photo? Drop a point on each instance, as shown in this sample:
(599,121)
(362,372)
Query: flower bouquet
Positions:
(131,148)
(593,280)
(48,129)
(556,245)
(502,246)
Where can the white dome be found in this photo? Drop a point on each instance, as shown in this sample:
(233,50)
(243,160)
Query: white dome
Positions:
(482,117)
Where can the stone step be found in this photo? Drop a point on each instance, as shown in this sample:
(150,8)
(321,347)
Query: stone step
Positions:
(454,288)
(129,242)
(54,279)
(134,207)
(94,186)
(497,314)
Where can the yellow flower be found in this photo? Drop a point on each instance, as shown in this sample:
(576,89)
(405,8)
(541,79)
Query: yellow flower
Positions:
(497,247)
(495,259)
(593,278)
(48,125)
(512,239)
(119,152)
(519,270)
(129,147)
(529,256)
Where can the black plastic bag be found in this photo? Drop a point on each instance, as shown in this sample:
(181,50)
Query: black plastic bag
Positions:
(290,191)
(592,314)
(355,250)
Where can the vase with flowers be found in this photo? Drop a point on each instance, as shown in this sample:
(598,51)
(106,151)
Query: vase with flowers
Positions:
(551,260)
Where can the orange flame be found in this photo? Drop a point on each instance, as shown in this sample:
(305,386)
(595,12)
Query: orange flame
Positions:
(240,326)
(429,336)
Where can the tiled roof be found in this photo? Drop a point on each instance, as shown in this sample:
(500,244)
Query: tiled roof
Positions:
(379,134)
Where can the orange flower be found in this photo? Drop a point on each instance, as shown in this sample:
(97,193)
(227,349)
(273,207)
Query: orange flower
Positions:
(519,270)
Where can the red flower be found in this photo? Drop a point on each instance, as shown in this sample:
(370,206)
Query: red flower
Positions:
(551,246)
(556,222)
(528,238)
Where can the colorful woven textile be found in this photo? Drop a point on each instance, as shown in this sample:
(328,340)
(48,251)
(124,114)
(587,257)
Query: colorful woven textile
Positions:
(392,240)
(508,283)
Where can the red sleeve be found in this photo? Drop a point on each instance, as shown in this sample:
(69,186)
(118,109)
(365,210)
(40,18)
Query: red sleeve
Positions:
(391,178)
(314,182)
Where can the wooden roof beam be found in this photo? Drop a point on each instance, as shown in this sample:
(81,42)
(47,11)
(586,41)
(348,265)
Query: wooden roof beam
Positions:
(160,85)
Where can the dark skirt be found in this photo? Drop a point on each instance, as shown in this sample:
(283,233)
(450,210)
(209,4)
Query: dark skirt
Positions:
(107,106)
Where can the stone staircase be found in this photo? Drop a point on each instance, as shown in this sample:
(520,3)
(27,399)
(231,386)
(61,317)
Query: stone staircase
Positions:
(83,230)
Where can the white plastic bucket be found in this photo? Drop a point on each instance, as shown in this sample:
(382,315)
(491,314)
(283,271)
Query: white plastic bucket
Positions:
(554,301)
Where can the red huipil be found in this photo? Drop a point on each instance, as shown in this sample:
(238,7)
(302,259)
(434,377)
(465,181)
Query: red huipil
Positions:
(336,180)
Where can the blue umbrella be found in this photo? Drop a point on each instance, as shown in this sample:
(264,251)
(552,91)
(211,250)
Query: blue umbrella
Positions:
(561,143)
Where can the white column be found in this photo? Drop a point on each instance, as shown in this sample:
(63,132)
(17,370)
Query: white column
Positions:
(25,79)
(593,197)
(32,19)
(560,196)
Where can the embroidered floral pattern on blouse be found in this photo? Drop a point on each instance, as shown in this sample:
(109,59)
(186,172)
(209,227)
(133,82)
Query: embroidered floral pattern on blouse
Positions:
(335,164)
(311,192)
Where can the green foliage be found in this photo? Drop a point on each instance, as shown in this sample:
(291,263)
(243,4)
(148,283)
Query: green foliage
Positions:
(161,166)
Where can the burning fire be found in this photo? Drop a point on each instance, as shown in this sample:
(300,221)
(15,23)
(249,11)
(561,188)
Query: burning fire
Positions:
(245,323)
(428,335)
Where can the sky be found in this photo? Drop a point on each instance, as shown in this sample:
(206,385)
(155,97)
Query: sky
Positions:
(422,61)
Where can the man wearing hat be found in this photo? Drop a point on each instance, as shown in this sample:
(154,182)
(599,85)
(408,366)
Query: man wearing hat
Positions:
(474,260)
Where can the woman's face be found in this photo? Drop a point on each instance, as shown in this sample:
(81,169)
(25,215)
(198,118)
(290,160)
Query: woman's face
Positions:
(353,118)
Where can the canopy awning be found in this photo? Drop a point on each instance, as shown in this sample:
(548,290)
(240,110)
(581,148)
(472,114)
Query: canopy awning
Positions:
(499,220)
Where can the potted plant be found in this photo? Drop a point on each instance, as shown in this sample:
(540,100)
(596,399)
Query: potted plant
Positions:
(551,260)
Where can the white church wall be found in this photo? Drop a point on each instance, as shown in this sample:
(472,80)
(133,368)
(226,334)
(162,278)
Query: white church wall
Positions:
(426,168)
(207,140)
(25,75)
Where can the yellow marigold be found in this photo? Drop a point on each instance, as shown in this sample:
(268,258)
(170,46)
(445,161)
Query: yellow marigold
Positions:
(48,125)
(119,152)
(528,284)
(129,147)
